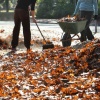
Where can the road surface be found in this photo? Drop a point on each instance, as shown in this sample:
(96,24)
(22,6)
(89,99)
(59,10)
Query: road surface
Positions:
(49,30)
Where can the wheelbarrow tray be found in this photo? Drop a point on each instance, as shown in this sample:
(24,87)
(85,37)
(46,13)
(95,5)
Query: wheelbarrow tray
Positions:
(73,27)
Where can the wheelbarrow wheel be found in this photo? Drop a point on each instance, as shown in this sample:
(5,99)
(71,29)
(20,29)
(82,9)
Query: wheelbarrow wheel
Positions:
(66,40)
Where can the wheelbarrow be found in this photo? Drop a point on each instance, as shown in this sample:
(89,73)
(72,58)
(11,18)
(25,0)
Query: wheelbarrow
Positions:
(69,28)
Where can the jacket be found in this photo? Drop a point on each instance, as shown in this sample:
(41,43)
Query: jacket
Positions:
(24,4)
(87,5)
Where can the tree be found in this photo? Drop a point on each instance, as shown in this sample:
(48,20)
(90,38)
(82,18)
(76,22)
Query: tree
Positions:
(63,8)
(44,9)
(1,1)
(55,8)
(7,5)
(99,7)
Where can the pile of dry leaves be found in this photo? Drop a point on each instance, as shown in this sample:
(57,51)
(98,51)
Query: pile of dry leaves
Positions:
(54,74)
(71,19)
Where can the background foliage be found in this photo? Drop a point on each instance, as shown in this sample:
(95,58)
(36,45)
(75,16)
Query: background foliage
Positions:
(55,8)
(46,8)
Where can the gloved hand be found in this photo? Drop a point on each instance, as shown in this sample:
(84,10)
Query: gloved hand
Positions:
(95,17)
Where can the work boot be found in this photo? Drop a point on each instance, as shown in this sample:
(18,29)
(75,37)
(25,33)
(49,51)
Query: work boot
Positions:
(13,50)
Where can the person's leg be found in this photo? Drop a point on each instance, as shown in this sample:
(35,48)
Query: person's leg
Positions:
(83,36)
(89,34)
(16,29)
(26,28)
(83,33)
(88,16)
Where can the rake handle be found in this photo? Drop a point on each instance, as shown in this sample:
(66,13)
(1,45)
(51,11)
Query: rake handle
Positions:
(40,31)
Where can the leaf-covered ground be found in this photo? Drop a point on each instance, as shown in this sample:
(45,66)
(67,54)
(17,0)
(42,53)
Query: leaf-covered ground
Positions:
(71,73)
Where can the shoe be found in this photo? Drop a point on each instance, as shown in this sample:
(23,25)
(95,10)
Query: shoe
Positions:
(29,51)
(13,50)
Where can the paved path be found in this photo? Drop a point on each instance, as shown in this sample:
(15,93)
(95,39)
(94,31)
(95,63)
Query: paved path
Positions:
(49,30)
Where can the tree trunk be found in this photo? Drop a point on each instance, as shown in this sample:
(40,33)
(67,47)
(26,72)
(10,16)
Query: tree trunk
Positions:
(7,5)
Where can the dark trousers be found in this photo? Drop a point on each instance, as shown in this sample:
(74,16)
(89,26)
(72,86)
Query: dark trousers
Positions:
(21,16)
(86,33)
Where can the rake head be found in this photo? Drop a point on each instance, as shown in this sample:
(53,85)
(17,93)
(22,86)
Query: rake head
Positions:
(48,45)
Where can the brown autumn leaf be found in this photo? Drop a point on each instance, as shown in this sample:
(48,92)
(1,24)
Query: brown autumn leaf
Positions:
(2,74)
(32,41)
(82,50)
(43,42)
(54,39)
(27,61)
(37,90)
(10,76)
(97,87)
(34,82)
(54,72)
(50,81)
(85,65)
(69,91)
(59,69)
(1,91)
(2,30)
